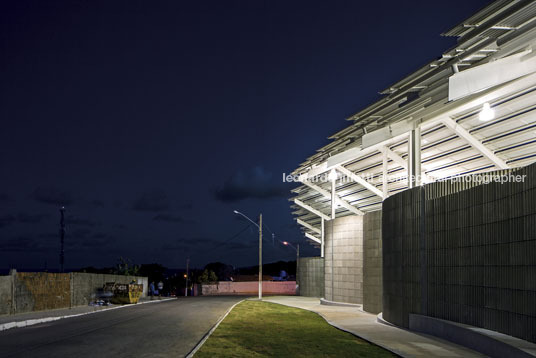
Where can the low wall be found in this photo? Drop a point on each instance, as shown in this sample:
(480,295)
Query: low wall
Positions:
(311,276)
(249,288)
(465,254)
(86,284)
(36,291)
(6,294)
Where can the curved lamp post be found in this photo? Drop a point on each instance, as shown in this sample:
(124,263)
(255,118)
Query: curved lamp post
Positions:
(260,247)
(297,249)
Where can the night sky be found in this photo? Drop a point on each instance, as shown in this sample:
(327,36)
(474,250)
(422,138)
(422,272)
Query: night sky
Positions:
(151,121)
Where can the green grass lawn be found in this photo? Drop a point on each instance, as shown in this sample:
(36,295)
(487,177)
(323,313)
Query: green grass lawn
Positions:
(262,329)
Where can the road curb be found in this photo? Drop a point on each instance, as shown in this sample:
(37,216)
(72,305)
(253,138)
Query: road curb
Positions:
(209,333)
(31,322)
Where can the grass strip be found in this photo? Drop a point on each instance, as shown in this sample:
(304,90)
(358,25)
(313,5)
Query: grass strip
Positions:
(263,329)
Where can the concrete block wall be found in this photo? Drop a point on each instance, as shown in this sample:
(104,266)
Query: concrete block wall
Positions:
(311,276)
(5,294)
(84,285)
(466,256)
(343,259)
(36,291)
(372,262)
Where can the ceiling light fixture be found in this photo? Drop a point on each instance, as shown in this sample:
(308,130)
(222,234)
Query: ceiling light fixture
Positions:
(486,113)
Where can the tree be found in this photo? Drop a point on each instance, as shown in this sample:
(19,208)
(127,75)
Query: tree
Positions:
(208,276)
(223,271)
(125,267)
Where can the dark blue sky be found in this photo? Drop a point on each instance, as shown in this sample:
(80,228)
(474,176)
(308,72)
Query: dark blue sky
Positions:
(152,121)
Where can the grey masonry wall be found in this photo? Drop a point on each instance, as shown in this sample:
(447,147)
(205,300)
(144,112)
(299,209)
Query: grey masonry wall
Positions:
(343,259)
(311,276)
(35,291)
(5,294)
(84,285)
(463,253)
(372,262)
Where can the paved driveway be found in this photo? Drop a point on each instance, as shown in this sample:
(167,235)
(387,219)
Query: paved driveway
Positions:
(166,329)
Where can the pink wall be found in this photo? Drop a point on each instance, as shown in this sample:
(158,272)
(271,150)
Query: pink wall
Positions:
(250,288)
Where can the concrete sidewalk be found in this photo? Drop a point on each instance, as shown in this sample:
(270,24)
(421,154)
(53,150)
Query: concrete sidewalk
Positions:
(31,318)
(365,325)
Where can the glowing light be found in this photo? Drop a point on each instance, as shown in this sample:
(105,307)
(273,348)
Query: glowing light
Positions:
(486,113)
(332,175)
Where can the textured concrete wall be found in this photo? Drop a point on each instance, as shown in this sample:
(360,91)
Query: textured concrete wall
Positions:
(372,262)
(343,259)
(311,276)
(249,288)
(5,294)
(85,285)
(37,291)
(466,256)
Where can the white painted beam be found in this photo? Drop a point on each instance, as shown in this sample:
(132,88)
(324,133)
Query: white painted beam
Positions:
(400,161)
(322,238)
(395,157)
(428,118)
(338,200)
(359,180)
(414,157)
(475,143)
(385,173)
(309,226)
(311,209)
(314,238)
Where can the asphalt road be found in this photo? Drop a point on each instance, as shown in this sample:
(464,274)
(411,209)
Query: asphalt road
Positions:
(166,329)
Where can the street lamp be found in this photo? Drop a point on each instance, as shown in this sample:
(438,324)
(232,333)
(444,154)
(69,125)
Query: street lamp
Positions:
(297,249)
(260,247)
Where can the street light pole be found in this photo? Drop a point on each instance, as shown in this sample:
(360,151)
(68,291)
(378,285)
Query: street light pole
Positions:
(297,249)
(186,288)
(260,256)
(62,237)
(259,225)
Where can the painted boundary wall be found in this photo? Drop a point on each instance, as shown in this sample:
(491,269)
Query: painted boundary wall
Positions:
(468,256)
(36,291)
(248,288)
(311,276)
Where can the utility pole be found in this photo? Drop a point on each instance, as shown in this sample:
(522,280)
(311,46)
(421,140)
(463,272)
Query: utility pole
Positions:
(186,288)
(260,256)
(62,237)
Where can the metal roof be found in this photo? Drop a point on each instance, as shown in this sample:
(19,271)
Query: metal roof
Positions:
(501,29)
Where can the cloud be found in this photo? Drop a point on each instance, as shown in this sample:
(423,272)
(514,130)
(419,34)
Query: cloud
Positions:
(24,218)
(78,234)
(97,203)
(186,244)
(77,221)
(171,218)
(255,183)
(24,244)
(29,218)
(154,201)
(7,220)
(4,198)
(99,235)
(52,196)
